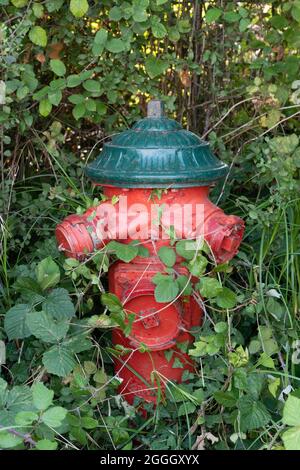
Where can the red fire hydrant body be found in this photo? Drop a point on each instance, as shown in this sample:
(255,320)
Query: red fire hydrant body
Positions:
(157,153)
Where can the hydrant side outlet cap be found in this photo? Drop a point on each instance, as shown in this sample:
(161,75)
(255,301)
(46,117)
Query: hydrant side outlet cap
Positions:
(156,153)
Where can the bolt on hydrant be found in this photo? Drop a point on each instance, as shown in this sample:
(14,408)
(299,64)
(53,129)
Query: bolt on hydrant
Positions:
(160,176)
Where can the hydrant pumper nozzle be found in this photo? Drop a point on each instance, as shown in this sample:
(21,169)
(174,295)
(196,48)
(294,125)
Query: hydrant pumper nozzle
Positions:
(156,153)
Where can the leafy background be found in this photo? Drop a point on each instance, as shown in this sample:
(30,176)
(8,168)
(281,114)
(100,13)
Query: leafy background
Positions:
(72,74)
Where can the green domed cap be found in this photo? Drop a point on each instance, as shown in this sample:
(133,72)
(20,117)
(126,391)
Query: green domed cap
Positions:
(156,153)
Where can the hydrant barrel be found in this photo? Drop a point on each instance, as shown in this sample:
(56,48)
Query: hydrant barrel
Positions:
(155,165)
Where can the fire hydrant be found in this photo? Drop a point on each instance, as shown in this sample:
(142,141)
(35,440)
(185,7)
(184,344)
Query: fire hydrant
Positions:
(155,179)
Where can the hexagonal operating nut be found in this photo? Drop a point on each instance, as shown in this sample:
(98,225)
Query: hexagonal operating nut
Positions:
(155,109)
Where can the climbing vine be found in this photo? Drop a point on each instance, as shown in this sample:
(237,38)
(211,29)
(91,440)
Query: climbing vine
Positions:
(71,74)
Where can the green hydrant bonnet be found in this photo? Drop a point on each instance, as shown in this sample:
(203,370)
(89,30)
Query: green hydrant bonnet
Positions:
(156,153)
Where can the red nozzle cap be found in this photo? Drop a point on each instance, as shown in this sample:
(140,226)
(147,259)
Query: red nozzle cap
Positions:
(73,237)
(224,235)
(155,325)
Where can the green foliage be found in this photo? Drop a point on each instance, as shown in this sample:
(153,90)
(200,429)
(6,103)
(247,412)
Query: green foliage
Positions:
(167,256)
(74,72)
(123,251)
(291,417)
(79,7)
(38,36)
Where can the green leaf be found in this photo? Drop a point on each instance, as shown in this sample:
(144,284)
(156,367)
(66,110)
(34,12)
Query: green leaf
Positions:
(19,398)
(115,45)
(226,298)
(269,344)
(42,396)
(76,99)
(58,67)
(284,145)
(89,423)
(54,5)
(166,290)
(291,411)
(184,26)
(186,408)
(54,416)
(59,361)
(158,29)
(198,265)
(58,304)
(77,344)
(279,22)
(239,357)
(291,438)
(173,34)
(57,84)
(231,16)
(266,361)
(227,399)
(115,14)
(270,119)
(47,273)
(167,255)
(100,377)
(78,111)
(15,322)
(158,277)
(45,107)
(55,97)
(41,93)
(177,364)
(255,383)
(24,418)
(22,92)
(46,444)
(3,392)
(38,36)
(9,440)
(112,302)
(155,67)
(38,10)
(253,414)
(123,251)
(240,379)
(101,108)
(79,8)
(244,23)
(43,327)
(73,81)
(184,285)
(90,105)
(99,41)
(19,3)
(92,85)
(275,308)
(139,12)
(296,13)
(209,287)
(273,386)
(212,15)
(186,249)
(221,327)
